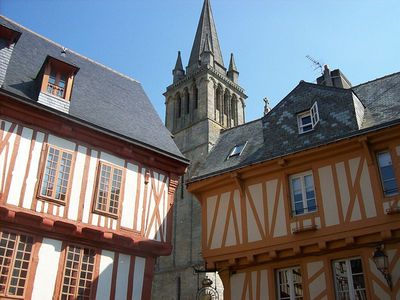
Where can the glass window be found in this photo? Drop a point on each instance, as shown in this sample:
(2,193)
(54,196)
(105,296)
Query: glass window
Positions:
(289,284)
(237,150)
(309,119)
(78,273)
(303,194)
(57,83)
(15,258)
(349,279)
(56,174)
(108,189)
(386,171)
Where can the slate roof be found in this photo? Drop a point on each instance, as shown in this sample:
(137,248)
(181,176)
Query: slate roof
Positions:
(276,134)
(100,96)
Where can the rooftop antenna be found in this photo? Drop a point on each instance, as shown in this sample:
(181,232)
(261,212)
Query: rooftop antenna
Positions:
(317,64)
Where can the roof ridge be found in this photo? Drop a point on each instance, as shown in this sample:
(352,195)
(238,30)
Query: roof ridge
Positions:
(376,79)
(241,125)
(69,50)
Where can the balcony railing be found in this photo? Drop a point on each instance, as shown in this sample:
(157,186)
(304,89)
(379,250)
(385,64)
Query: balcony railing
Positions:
(55,90)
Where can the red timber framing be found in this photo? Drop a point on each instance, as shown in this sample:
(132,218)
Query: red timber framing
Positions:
(19,111)
(247,220)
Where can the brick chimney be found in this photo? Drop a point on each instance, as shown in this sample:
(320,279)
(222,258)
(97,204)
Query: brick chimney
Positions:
(334,78)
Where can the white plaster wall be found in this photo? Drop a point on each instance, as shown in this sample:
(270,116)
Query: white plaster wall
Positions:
(76,184)
(33,171)
(89,187)
(122,276)
(237,283)
(367,193)
(21,162)
(343,187)
(128,205)
(280,223)
(46,272)
(220,222)
(105,275)
(236,201)
(271,192)
(61,143)
(328,196)
(138,278)
(211,205)
(112,159)
(256,195)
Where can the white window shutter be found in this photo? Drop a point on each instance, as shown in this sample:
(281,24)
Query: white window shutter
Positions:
(314,114)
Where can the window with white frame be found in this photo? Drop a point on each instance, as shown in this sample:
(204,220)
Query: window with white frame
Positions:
(55,180)
(290,284)
(237,150)
(349,279)
(386,171)
(309,119)
(302,193)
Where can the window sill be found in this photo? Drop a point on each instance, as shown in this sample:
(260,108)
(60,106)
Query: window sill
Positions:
(305,229)
(304,215)
(105,214)
(45,198)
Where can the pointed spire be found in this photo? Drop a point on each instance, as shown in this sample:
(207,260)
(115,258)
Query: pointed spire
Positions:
(206,27)
(232,73)
(232,65)
(178,72)
(178,65)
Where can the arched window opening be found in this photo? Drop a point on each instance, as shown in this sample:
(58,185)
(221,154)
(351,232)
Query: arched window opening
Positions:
(226,103)
(178,106)
(195,97)
(234,110)
(187,105)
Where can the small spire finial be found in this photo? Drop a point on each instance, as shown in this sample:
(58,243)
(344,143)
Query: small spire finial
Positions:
(232,64)
(267,108)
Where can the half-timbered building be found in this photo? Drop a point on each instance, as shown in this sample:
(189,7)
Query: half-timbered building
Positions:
(87,175)
(304,203)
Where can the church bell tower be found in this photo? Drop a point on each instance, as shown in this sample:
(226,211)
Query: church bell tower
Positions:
(203,99)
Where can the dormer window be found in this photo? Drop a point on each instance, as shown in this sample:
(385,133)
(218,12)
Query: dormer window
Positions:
(237,150)
(56,84)
(58,78)
(308,120)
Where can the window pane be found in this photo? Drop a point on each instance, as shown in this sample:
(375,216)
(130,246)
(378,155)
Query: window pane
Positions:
(388,177)
(306,120)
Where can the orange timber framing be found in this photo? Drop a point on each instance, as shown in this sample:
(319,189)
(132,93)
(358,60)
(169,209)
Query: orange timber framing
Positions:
(308,235)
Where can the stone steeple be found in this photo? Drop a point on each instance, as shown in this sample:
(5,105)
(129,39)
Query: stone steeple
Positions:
(206,27)
(199,104)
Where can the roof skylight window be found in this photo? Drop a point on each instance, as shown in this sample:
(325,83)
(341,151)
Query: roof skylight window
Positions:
(237,150)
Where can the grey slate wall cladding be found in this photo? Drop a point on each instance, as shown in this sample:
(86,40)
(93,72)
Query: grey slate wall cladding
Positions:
(54,102)
(5,55)
(343,113)
(336,112)
(100,96)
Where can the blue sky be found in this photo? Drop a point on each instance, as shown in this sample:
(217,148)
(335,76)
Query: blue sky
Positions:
(270,39)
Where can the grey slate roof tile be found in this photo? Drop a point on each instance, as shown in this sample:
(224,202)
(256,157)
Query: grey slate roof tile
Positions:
(99,96)
(276,134)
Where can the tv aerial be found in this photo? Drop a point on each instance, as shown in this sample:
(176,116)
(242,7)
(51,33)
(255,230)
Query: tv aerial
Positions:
(316,63)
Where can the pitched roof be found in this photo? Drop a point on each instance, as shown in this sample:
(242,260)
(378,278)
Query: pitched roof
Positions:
(276,134)
(206,28)
(100,96)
